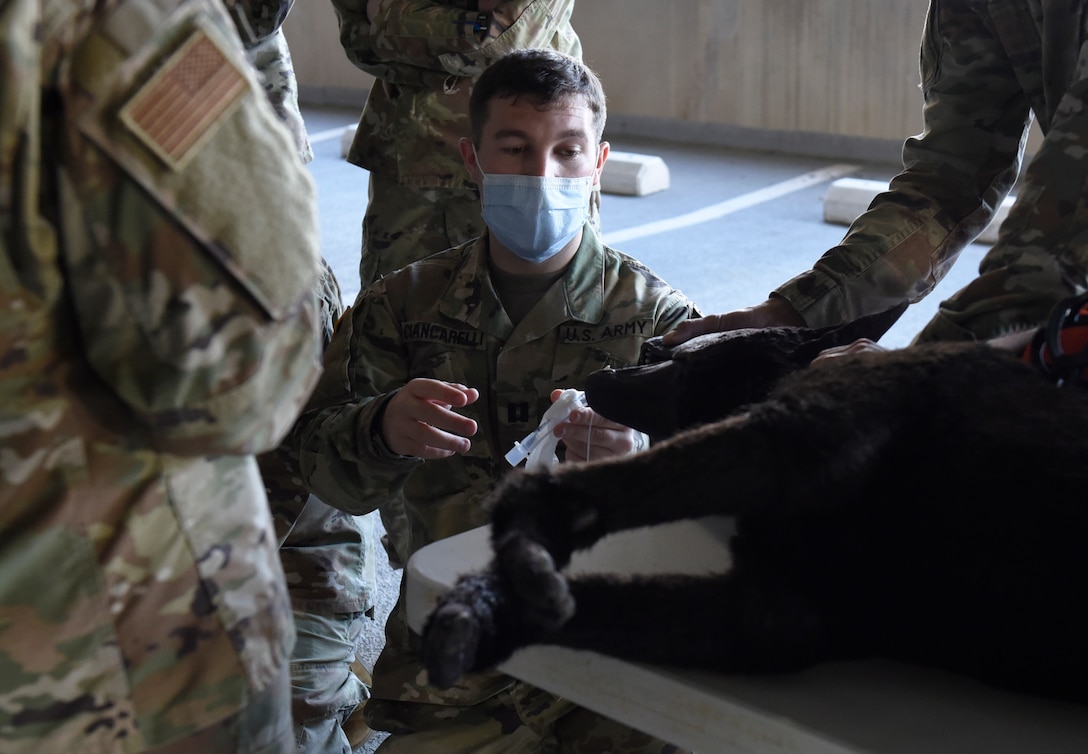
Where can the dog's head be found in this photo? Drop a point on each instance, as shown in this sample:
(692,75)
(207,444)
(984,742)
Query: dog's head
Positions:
(711,376)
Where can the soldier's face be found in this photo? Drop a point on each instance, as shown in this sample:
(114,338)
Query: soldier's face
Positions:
(522,138)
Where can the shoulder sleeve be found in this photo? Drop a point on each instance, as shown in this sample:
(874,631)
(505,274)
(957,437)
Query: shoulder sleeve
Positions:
(193,286)
(651,292)
(957,173)
(674,309)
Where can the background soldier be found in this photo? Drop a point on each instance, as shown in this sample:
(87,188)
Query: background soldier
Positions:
(326,554)
(985,70)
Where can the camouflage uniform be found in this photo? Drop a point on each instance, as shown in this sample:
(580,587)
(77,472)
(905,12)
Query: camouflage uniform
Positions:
(986,67)
(150,343)
(326,553)
(441,318)
(425,55)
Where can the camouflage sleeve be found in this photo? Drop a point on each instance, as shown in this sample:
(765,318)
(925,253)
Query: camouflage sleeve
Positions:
(258,20)
(190,316)
(957,173)
(1041,255)
(271,57)
(674,309)
(342,460)
(420,42)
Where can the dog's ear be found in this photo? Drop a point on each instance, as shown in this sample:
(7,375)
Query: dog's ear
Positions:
(713,375)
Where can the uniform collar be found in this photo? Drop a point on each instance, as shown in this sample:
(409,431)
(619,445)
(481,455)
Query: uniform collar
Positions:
(577,296)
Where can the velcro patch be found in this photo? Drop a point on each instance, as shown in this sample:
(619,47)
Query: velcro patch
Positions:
(183,103)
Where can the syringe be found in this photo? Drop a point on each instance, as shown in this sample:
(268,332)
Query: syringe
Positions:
(539,445)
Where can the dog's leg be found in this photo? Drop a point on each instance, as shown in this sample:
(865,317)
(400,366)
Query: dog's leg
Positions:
(489,614)
(726,622)
(734,622)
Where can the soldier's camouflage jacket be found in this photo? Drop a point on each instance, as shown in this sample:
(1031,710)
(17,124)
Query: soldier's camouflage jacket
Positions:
(425,55)
(151,340)
(441,318)
(985,67)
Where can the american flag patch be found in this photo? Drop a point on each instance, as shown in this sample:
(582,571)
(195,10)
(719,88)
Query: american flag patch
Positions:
(180,106)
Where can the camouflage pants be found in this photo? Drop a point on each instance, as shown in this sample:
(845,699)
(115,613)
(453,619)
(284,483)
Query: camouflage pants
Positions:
(523,720)
(324,690)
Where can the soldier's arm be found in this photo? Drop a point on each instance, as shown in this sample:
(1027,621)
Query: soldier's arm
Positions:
(1039,256)
(958,171)
(674,309)
(202,320)
(342,456)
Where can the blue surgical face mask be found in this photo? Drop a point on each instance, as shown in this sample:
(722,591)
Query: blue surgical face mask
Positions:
(534,216)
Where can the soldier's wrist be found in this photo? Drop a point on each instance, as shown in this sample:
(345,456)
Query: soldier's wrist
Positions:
(377,436)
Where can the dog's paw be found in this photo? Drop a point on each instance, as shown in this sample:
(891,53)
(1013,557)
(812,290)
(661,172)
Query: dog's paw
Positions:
(542,591)
(450,643)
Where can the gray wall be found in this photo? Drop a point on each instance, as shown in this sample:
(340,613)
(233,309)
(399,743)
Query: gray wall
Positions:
(835,78)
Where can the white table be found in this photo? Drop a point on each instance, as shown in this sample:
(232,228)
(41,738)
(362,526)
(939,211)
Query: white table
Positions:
(835,708)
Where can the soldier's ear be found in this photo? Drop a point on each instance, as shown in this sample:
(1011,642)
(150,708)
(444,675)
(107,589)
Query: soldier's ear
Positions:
(468,155)
(602,156)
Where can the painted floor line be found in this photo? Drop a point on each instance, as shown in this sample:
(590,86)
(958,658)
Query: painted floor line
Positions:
(332,133)
(729,206)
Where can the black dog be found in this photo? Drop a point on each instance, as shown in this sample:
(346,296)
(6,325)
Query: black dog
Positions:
(926,505)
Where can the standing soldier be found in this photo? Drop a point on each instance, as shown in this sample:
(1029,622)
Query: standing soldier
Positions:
(152,338)
(988,70)
(326,554)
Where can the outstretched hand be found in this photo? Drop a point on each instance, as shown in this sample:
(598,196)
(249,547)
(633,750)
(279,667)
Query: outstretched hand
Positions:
(774,312)
(419,419)
(589,436)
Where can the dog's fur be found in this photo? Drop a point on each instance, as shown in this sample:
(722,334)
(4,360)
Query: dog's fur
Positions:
(926,505)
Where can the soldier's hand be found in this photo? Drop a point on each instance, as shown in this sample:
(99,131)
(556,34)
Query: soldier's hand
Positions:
(589,436)
(861,345)
(774,312)
(419,419)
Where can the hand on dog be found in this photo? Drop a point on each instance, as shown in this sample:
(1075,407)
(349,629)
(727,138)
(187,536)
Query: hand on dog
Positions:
(590,437)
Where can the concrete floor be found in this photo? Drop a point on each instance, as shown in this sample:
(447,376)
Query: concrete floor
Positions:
(739,224)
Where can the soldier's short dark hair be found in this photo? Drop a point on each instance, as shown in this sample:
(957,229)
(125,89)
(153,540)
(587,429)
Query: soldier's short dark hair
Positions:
(546,76)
